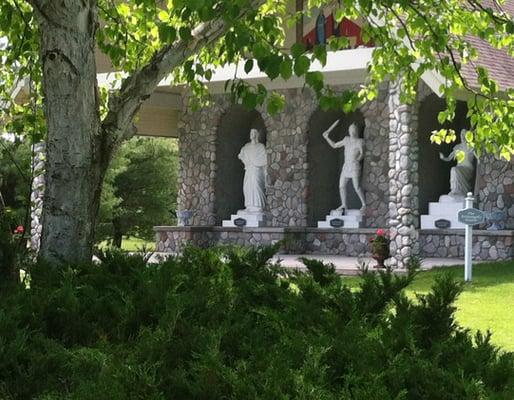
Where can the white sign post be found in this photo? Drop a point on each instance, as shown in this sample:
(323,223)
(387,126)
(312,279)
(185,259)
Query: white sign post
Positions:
(469,216)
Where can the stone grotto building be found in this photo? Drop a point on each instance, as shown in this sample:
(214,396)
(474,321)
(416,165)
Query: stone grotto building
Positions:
(401,170)
(402,173)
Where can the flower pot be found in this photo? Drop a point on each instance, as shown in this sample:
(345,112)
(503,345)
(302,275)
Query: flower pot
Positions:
(380,258)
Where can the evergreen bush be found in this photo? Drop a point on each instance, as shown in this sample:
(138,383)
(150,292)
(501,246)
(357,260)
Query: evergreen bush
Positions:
(226,323)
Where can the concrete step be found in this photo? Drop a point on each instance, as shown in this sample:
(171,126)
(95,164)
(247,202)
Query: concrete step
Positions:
(350,221)
(444,208)
(428,221)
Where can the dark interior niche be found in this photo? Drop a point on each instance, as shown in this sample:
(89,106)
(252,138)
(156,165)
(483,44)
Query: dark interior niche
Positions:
(325,163)
(233,133)
(434,174)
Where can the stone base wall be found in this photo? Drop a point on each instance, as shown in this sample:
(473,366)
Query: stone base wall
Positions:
(354,242)
(487,245)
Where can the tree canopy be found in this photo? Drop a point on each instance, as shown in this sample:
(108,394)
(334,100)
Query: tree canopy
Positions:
(148,40)
(132,204)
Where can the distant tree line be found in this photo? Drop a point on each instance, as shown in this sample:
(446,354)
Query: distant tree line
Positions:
(140,188)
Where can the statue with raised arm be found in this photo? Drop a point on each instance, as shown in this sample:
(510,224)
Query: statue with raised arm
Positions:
(461,175)
(253,156)
(353,154)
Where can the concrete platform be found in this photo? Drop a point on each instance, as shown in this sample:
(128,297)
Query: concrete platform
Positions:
(344,265)
(349,265)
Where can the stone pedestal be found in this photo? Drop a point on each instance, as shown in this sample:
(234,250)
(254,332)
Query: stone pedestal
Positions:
(246,219)
(443,214)
(336,219)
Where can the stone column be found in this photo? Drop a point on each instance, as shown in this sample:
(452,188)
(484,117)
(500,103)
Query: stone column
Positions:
(36,197)
(286,189)
(197,160)
(376,165)
(403,180)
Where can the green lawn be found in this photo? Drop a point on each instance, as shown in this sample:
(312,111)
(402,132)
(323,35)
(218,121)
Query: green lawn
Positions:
(486,303)
(132,243)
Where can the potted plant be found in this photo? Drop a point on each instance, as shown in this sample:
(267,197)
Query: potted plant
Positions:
(380,247)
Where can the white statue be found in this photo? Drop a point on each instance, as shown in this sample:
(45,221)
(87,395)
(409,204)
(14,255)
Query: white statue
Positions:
(253,156)
(353,154)
(462,175)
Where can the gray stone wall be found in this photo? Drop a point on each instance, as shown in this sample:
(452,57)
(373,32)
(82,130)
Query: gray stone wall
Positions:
(495,187)
(487,245)
(375,169)
(286,191)
(197,160)
(353,242)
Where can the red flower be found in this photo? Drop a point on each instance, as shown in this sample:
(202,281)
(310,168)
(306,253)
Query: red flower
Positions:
(380,232)
(19,229)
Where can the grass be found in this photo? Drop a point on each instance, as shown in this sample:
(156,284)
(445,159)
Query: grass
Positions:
(485,304)
(132,243)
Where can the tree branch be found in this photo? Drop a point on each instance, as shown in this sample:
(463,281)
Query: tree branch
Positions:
(117,125)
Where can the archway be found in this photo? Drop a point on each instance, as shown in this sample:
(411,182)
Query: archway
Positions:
(434,174)
(233,132)
(325,163)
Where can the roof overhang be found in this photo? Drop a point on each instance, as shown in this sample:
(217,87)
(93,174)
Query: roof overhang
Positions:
(344,67)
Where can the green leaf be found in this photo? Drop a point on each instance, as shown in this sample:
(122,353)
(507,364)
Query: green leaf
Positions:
(123,9)
(167,33)
(276,103)
(163,16)
(184,33)
(273,66)
(286,69)
(301,65)
(315,80)
(250,100)
(469,136)
(297,50)
(259,50)
(320,53)
(460,156)
(248,66)
(339,14)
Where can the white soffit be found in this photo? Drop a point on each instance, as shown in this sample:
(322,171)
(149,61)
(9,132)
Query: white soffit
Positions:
(342,67)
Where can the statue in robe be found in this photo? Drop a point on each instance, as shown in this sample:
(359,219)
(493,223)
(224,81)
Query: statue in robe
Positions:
(353,154)
(253,156)
(462,175)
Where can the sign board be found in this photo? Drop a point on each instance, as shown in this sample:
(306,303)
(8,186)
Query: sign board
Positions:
(336,223)
(442,224)
(471,216)
(240,222)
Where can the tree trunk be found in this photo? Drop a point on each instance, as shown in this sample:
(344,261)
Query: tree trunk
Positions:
(76,161)
(79,147)
(117,234)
